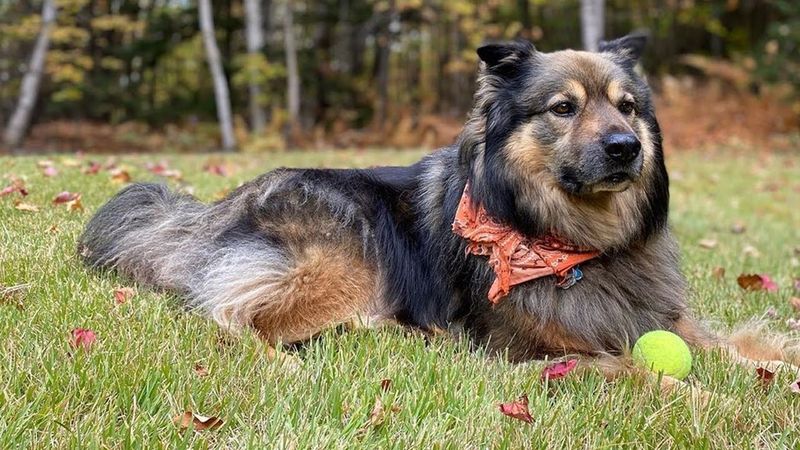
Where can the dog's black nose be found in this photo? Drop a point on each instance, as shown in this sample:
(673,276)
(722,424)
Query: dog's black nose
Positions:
(622,147)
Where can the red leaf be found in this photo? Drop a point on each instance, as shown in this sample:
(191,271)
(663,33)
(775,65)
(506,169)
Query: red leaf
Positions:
(766,376)
(83,338)
(386,384)
(517,410)
(756,282)
(49,171)
(123,294)
(216,169)
(93,168)
(65,197)
(559,369)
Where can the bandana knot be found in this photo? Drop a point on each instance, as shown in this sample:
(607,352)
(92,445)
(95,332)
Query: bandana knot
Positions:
(514,257)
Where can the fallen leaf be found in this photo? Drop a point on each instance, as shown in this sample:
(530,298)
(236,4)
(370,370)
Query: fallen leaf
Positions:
(120,176)
(83,338)
(517,410)
(793,324)
(718,273)
(196,421)
(738,227)
(559,369)
(756,282)
(22,206)
(93,168)
(766,376)
(17,185)
(200,370)
(795,386)
(796,284)
(751,251)
(707,244)
(216,169)
(219,195)
(379,414)
(65,197)
(771,312)
(70,162)
(386,384)
(49,171)
(123,294)
(162,169)
(53,229)
(43,163)
(13,295)
(795,302)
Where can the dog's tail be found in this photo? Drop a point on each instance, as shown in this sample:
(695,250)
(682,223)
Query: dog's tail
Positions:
(143,233)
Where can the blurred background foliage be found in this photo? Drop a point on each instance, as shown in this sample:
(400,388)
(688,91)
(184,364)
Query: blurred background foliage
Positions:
(403,69)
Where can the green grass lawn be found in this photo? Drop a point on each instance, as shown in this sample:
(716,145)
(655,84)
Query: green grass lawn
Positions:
(141,371)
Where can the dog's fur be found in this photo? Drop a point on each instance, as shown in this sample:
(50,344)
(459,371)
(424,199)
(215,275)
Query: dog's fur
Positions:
(298,250)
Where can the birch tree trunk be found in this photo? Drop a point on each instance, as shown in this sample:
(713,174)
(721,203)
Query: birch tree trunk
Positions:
(221,93)
(29,89)
(592,23)
(255,41)
(292,72)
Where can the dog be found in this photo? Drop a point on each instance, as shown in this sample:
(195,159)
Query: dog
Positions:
(542,232)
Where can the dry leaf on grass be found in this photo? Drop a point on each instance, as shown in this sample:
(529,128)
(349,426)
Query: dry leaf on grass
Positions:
(216,169)
(72,200)
(92,169)
(738,227)
(82,338)
(120,176)
(559,369)
(17,185)
(22,206)
(123,294)
(386,384)
(793,323)
(795,386)
(200,370)
(795,302)
(517,409)
(718,273)
(379,414)
(13,295)
(756,282)
(707,244)
(766,376)
(197,422)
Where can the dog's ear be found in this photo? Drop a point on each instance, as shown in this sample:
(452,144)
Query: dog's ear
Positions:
(506,57)
(629,48)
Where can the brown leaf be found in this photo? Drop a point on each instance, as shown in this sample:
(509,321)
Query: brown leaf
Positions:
(123,294)
(793,323)
(386,384)
(196,421)
(517,410)
(756,282)
(718,273)
(200,370)
(13,295)
(558,370)
(22,206)
(707,244)
(216,169)
(120,176)
(92,168)
(751,251)
(795,302)
(379,414)
(738,227)
(766,376)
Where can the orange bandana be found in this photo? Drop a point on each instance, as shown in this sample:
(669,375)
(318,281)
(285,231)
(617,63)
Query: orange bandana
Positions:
(514,258)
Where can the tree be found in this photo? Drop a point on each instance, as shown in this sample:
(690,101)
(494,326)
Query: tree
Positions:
(29,89)
(592,23)
(254,31)
(292,72)
(221,93)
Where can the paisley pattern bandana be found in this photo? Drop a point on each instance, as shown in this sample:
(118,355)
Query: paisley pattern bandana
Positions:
(515,258)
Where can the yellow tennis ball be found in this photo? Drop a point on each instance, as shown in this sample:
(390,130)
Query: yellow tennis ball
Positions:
(662,351)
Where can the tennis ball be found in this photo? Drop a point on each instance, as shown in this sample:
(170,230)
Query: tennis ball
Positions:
(662,351)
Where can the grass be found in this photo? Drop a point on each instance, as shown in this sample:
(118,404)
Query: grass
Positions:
(141,372)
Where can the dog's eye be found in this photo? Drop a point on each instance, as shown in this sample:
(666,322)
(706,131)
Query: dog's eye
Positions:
(626,107)
(563,109)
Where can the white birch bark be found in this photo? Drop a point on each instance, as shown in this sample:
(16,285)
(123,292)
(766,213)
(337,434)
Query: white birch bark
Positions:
(592,23)
(29,88)
(221,94)
(254,33)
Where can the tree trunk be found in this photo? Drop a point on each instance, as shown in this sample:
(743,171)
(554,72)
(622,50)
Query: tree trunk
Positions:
(292,73)
(383,59)
(29,89)
(221,93)
(255,41)
(592,23)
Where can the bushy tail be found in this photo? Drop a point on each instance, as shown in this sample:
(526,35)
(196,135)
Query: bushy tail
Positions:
(143,233)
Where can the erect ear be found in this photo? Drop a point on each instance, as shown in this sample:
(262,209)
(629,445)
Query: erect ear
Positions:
(505,57)
(629,47)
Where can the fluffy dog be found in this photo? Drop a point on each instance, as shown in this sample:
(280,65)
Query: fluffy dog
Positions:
(541,232)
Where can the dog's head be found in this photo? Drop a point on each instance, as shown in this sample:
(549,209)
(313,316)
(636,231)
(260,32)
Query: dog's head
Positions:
(567,143)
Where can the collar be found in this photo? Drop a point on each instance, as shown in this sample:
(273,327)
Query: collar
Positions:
(514,257)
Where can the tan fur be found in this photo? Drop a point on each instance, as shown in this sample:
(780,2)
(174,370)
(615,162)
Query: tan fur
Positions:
(323,288)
